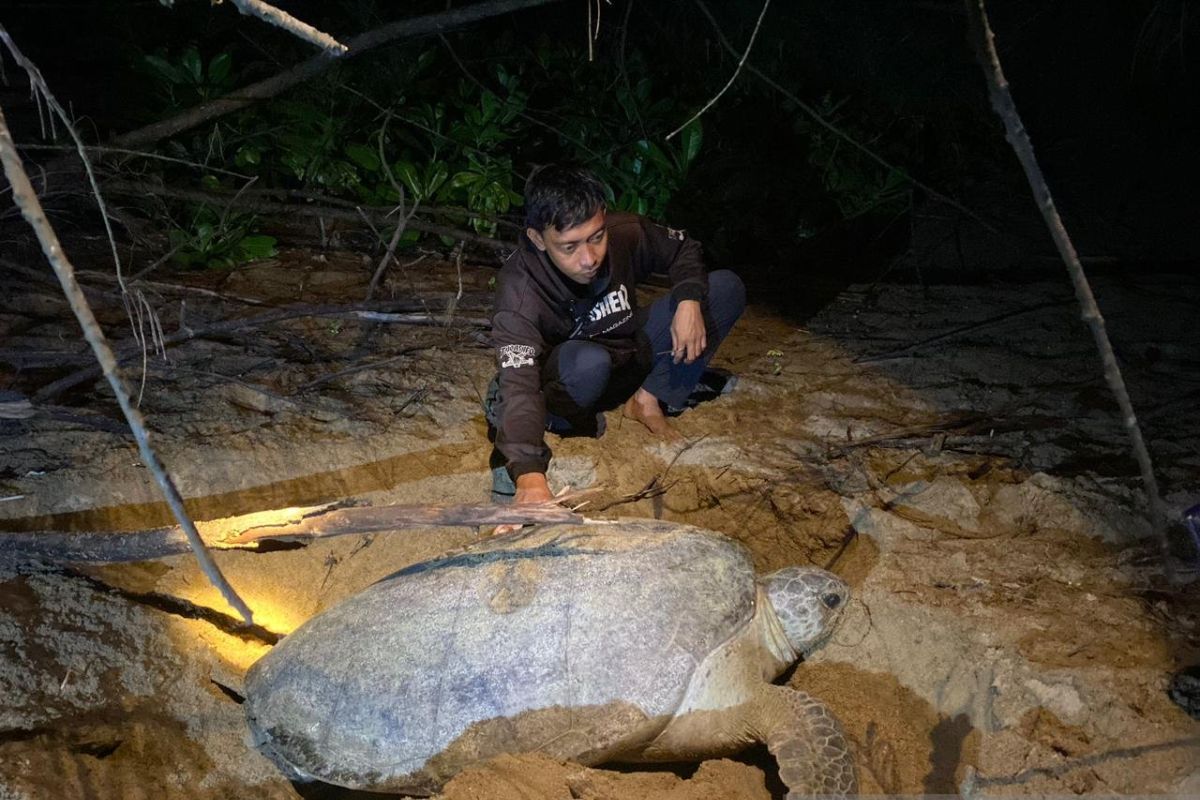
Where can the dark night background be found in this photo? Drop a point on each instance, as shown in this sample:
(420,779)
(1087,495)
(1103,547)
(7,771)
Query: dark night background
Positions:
(1107,91)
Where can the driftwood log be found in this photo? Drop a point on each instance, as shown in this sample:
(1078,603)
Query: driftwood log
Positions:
(249,532)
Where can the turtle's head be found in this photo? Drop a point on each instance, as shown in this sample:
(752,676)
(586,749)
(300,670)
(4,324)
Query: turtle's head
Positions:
(809,603)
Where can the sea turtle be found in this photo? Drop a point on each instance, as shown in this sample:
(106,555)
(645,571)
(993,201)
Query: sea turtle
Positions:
(636,641)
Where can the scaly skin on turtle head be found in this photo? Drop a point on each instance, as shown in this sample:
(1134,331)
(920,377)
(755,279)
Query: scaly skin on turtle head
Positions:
(809,603)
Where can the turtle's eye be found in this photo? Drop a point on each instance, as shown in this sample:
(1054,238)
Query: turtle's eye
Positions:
(831,600)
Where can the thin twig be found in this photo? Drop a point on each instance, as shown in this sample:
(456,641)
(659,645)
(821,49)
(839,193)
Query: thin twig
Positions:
(158,262)
(31,209)
(452,306)
(1018,137)
(177,287)
(100,149)
(338,202)
(625,72)
(41,91)
(838,132)
(403,354)
(732,77)
(974,326)
(390,253)
(366,221)
(404,219)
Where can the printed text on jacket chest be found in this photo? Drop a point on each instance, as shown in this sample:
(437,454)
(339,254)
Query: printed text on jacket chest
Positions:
(611,303)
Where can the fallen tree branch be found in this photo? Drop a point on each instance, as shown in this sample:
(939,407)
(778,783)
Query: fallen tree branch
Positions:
(974,782)
(31,208)
(974,326)
(344,521)
(964,424)
(250,203)
(59,386)
(284,20)
(341,373)
(181,288)
(248,95)
(339,202)
(245,533)
(417,319)
(1006,109)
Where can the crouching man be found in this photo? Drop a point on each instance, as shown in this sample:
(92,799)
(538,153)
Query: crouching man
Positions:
(570,338)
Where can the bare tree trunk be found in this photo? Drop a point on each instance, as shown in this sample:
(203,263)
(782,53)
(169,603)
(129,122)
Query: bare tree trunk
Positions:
(402,29)
(1004,106)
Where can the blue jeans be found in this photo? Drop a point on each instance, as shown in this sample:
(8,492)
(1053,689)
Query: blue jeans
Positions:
(672,383)
(579,375)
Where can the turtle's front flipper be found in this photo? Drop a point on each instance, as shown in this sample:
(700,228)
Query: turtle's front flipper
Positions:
(808,742)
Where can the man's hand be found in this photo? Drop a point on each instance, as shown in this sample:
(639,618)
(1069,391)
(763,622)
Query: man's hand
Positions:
(688,337)
(531,488)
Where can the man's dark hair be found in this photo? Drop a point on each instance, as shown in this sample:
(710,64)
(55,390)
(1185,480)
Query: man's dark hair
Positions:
(563,196)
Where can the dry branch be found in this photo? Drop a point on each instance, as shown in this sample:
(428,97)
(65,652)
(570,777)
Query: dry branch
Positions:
(1006,109)
(347,521)
(248,95)
(403,218)
(243,534)
(340,202)
(900,352)
(250,203)
(284,20)
(741,63)
(61,385)
(31,208)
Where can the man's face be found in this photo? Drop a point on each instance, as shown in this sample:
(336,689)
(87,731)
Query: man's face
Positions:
(578,252)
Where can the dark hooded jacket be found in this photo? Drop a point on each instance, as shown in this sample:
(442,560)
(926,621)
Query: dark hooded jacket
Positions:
(538,308)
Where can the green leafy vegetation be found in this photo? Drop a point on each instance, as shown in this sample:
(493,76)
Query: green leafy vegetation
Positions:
(183,80)
(423,127)
(856,183)
(214,239)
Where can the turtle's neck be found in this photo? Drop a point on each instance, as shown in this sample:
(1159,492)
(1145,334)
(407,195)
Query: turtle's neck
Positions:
(778,653)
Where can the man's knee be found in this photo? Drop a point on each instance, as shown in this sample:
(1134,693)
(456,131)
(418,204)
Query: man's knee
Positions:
(726,295)
(584,369)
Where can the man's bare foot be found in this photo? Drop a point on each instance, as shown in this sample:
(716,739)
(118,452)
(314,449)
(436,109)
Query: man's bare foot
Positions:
(644,408)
